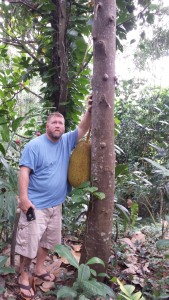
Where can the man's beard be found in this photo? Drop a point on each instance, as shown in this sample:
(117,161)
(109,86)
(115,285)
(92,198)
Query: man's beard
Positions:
(55,136)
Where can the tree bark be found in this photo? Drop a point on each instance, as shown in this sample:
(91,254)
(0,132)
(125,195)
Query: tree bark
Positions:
(60,56)
(97,240)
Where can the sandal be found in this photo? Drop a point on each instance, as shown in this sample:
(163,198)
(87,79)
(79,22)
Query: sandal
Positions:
(27,288)
(44,276)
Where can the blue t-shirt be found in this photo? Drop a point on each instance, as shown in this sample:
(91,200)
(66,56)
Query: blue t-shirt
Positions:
(48,162)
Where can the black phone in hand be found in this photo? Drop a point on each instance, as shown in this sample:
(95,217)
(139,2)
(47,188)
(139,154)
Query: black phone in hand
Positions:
(30,215)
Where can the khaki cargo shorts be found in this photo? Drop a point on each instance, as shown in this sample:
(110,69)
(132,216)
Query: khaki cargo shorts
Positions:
(44,231)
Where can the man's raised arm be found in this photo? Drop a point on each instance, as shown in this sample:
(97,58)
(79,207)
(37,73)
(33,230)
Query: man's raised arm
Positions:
(85,123)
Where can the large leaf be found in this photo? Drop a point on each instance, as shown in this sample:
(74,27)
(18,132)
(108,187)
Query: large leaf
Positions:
(163,170)
(124,213)
(64,251)
(97,289)
(66,291)
(83,273)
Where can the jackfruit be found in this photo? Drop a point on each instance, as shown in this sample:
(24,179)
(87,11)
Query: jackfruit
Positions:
(80,164)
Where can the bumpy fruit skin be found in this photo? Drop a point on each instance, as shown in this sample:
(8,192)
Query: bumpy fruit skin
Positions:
(80,164)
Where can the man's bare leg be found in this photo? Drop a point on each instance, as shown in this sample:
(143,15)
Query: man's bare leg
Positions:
(39,269)
(24,275)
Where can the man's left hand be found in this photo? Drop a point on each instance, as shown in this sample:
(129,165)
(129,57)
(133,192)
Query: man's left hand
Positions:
(90,102)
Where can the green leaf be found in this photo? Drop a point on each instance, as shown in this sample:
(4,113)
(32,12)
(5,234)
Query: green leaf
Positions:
(96,288)
(126,289)
(5,133)
(3,112)
(2,149)
(121,169)
(99,195)
(82,297)
(7,270)
(137,296)
(163,170)
(108,291)
(166,255)
(93,272)
(91,189)
(84,185)
(16,123)
(162,244)
(2,290)
(66,291)
(105,275)
(3,260)
(65,252)
(83,273)
(123,213)
(95,260)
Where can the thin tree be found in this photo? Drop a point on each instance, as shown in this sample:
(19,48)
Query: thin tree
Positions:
(97,240)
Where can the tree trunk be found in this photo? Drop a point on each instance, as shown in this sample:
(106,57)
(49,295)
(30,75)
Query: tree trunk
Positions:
(60,56)
(100,213)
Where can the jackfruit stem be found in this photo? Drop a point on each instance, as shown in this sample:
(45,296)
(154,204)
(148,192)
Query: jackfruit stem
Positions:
(88,135)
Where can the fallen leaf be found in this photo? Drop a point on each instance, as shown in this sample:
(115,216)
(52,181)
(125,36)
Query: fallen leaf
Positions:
(47,286)
(128,242)
(145,267)
(76,255)
(132,269)
(131,258)
(59,273)
(138,280)
(76,248)
(138,237)
(54,266)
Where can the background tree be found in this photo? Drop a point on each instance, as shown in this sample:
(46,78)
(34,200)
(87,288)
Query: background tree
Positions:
(97,241)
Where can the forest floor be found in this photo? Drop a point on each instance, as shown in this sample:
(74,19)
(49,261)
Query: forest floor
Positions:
(135,260)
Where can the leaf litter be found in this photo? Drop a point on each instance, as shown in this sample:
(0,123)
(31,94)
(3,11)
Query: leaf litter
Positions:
(134,260)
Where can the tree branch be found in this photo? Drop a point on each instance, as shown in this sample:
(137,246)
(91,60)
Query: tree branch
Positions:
(27,3)
(7,41)
(30,91)
(16,42)
(82,67)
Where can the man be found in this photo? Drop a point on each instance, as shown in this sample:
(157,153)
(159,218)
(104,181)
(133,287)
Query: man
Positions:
(43,186)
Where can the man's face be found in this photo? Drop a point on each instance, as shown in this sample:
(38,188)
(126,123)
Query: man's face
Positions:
(55,127)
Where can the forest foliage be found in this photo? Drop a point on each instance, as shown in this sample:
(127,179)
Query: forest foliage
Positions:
(32,79)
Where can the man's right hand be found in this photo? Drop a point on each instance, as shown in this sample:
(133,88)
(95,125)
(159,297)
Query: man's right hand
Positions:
(24,205)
